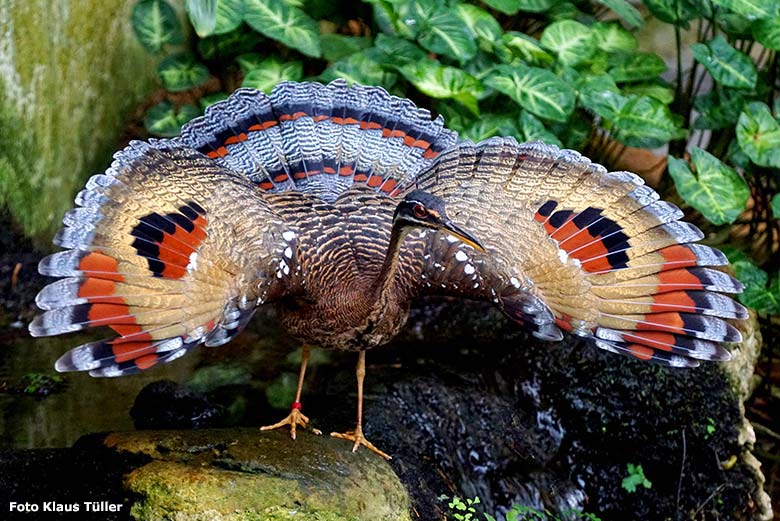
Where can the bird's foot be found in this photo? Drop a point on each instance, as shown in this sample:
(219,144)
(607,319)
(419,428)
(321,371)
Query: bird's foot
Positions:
(359,439)
(295,418)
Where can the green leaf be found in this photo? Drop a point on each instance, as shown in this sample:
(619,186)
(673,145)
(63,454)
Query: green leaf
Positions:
(751,9)
(441,81)
(601,95)
(445,33)
(364,68)
(636,66)
(717,191)
(271,71)
(756,294)
(736,156)
(534,130)
(612,37)
(288,25)
(767,32)
(482,26)
(155,25)
(181,71)
(758,134)
(398,51)
(513,6)
(539,91)
(162,120)
(776,206)
(226,46)
(337,46)
(203,15)
(645,122)
(230,14)
(676,12)
(407,18)
(728,66)
(207,101)
(524,47)
(658,90)
(719,108)
(571,41)
(625,10)
(635,478)
(489,125)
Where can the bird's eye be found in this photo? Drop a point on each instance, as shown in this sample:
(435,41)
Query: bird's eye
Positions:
(419,211)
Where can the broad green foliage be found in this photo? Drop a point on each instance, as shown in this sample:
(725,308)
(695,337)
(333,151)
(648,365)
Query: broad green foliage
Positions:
(558,72)
(716,190)
(263,74)
(728,66)
(279,21)
(758,293)
(181,72)
(166,121)
(155,24)
(758,134)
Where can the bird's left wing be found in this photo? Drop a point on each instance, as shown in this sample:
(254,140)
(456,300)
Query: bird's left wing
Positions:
(169,250)
(573,247)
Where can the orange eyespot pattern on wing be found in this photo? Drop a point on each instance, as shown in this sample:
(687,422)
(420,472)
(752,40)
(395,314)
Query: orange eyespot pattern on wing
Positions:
(168,240)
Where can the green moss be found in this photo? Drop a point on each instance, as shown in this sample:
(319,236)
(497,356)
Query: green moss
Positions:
(70,73)
(241,474)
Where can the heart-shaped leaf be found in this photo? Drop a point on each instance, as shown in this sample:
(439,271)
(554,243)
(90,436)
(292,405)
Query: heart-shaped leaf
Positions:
(489,125)
(767,32)
(398,51)
(728,66)
(164,121)
(289,25)
(271,71)
(441,81)
(445,33)
(751,9)
(518,45)
(636,66)
(181,72)
(513,6)
(155,25)
(571,41)
(338,46)
(538,91)
(716,190)
(758,134)
(364,68)
(756,294)
(645,122)
(203,15)
(534,130)
(482,26)
(625,10)
(612,37)
(230,14)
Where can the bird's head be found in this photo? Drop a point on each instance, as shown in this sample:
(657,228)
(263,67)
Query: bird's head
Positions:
(422,209)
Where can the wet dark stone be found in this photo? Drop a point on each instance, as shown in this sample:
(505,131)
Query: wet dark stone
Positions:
(88,472)
(167,405)
(469,406)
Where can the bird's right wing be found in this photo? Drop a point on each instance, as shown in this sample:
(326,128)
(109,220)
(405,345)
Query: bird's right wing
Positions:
(573,247)
(169,250)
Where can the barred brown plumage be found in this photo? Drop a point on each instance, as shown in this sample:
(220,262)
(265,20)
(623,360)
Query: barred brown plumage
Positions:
(339,205)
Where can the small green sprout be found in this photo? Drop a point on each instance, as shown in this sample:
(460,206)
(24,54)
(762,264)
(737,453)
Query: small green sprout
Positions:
(636,477)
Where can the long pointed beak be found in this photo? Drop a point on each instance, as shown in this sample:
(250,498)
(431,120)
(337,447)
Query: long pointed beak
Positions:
(463,235)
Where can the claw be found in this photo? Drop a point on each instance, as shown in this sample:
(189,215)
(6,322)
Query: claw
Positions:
(359,439)
(295,418)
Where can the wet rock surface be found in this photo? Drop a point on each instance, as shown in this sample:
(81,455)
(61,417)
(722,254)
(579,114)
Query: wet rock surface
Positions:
(555,426)
(241,474)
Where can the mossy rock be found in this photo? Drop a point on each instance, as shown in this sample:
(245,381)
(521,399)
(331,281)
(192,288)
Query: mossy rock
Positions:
(242,474)
(70,74)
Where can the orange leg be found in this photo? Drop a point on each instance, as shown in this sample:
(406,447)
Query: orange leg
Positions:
(295,417)
(357,434)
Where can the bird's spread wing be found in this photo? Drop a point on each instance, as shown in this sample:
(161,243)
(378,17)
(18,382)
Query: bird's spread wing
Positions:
(151,254)
(573,247)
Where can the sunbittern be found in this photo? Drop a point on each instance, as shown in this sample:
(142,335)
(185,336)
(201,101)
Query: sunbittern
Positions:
(339,205)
